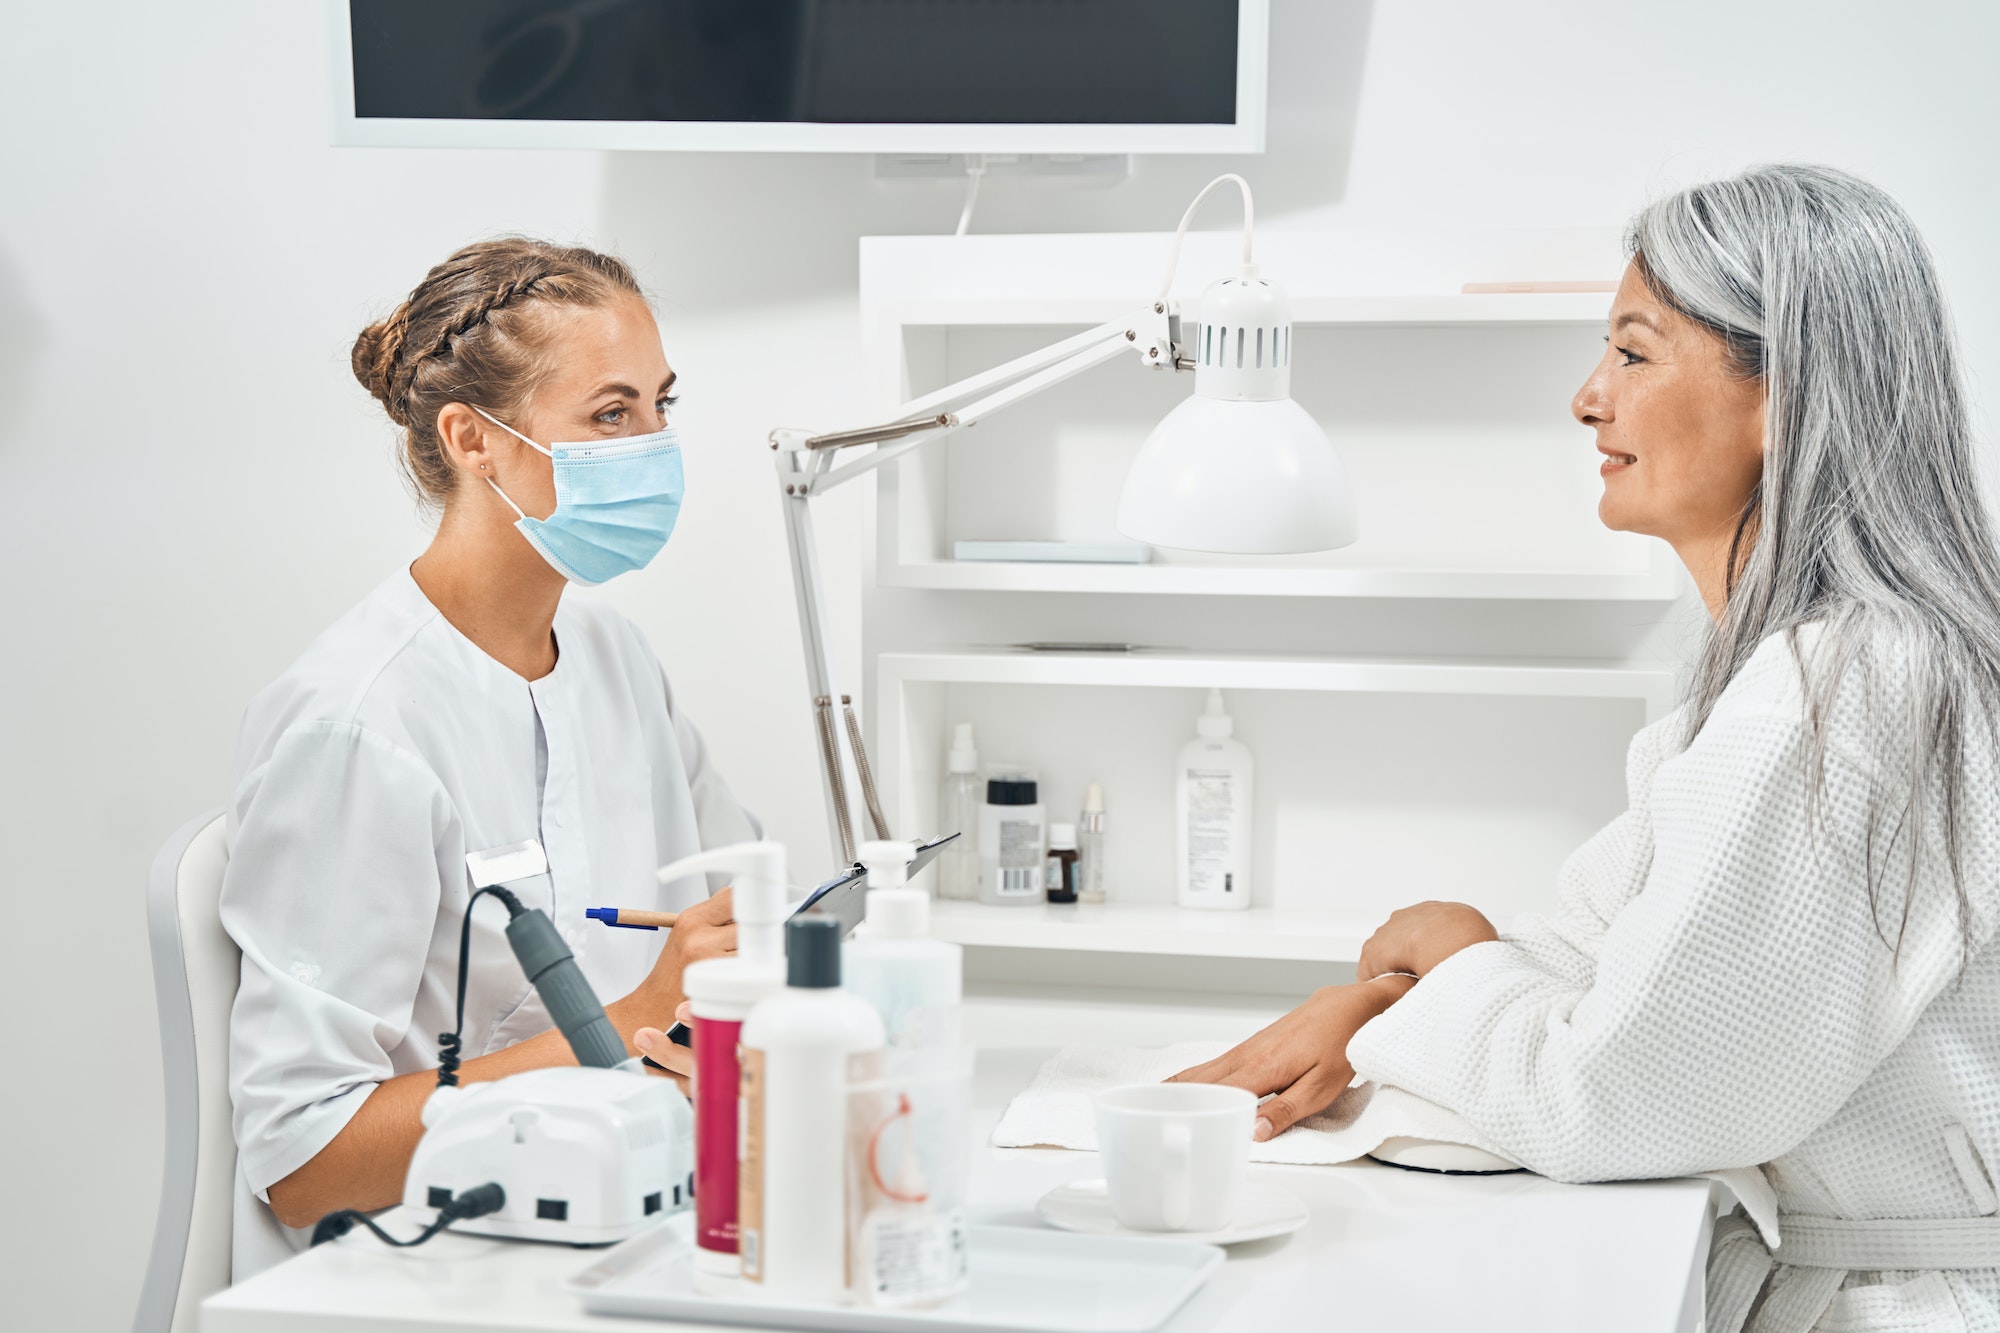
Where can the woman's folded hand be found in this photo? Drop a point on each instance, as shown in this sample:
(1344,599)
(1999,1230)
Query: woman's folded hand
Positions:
(1301,1060)
(1416,939)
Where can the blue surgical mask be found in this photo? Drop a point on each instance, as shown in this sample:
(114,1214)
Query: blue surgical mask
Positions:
(616,502)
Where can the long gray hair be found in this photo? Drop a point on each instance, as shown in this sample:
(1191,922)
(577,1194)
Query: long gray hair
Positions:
(1868,519)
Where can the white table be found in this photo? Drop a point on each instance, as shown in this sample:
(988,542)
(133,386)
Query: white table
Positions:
(1385,1249)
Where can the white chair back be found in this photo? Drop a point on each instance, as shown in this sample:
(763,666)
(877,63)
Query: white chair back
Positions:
(195,969)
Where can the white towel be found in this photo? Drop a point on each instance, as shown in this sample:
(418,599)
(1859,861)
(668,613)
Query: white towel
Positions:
(1055,1109)
(1055,1112)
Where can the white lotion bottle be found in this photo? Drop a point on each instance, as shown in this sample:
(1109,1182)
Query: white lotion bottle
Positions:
(1212,807)
(958,863)
(721,992)
(802,1049)
(909,1242)
(915,982)
(1012,840)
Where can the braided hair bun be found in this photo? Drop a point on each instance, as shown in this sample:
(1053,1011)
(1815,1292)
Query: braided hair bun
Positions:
(469,334)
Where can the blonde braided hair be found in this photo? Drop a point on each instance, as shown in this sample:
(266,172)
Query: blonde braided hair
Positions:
(472,333)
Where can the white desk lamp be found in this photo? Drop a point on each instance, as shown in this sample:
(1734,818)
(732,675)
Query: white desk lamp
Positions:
(1238,468)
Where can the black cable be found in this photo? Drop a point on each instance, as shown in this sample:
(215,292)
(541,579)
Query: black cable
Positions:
(478,1201)
(448,1041)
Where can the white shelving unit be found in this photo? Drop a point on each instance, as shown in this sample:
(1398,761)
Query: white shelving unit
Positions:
(1382,778)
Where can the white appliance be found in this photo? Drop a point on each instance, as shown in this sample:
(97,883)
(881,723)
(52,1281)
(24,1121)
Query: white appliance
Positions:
(586,1156)
(841,76)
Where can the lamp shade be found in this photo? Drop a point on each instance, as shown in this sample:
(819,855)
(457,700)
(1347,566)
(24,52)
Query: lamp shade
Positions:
(1240,468)
(1248,478)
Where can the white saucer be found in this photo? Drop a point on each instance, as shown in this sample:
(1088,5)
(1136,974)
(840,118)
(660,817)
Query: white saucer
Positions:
(1085,1205)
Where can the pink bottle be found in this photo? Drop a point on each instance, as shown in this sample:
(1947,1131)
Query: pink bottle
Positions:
(721,993)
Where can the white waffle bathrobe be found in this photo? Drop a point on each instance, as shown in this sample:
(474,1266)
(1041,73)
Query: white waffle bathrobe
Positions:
(1712,992)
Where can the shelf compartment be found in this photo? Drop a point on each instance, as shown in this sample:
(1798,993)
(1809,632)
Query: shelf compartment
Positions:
(1447,407)
(1380,782)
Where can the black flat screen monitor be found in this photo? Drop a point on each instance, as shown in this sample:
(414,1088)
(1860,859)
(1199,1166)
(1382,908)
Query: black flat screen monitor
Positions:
(845,75)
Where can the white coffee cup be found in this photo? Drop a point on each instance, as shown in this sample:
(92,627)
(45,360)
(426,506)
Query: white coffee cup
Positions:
(1174,1153)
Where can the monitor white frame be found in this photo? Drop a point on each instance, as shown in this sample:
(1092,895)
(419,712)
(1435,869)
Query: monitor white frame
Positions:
(1245,136)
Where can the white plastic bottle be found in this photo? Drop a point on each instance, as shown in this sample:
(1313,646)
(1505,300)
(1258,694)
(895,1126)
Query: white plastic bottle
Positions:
(915,982)
(907,1153)
(1212,806)
(958,812)
(1011,840)
(721,992)
(802,1049)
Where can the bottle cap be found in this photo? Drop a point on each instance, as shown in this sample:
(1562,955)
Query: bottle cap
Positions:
(888,863)
(899,914)
(1093,799)
(1062,837)
(964,757)
(1215,724)
(812,952)
(1011,791)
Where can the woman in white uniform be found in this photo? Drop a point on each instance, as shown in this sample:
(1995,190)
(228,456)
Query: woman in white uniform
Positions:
(1781,956)
(466,705)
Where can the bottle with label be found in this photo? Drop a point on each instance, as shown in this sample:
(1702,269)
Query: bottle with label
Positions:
(1010,840)
(1090,847)
(802,1049)
(1060,884)
(909,1130)
(721,993)
(958,863)
(1212,805)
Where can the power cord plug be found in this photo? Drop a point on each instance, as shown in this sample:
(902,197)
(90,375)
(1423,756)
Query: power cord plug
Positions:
(479,1201)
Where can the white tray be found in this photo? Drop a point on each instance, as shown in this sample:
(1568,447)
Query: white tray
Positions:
(1023,1278)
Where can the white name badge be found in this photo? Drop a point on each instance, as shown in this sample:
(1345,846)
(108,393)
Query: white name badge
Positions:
(504,865)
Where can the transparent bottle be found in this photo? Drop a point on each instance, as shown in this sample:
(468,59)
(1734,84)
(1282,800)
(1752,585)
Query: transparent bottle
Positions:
(958,812)
(1090,847)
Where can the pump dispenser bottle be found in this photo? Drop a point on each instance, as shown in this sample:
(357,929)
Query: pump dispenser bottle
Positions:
(802,1049)
(958,812)
(1212,806)
(721,992)
(914,981)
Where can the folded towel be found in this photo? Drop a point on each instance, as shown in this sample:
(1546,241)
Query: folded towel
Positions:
(1055,1110)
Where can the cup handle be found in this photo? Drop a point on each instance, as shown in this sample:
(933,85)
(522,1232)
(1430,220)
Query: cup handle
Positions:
(1178,1141)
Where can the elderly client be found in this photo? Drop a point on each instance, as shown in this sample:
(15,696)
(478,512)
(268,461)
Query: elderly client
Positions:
(1781,954)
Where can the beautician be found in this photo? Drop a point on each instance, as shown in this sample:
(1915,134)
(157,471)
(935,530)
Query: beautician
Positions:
(1781,956)
(465,705)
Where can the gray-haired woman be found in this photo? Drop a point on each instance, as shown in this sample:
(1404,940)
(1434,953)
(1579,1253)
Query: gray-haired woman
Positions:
(1781,957)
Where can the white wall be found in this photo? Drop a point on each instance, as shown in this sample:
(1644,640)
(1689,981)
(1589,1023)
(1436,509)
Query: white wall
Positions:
(193,485)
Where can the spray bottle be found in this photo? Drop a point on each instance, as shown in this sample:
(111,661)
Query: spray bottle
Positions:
(721,992)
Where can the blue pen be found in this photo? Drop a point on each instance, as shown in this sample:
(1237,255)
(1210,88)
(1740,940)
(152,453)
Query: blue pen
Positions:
(631,918)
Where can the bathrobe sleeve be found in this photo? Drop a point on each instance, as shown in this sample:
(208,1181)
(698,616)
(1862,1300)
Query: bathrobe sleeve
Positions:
(1735,1000)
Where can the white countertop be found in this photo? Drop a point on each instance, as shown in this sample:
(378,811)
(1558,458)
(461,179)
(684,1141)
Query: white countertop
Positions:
(1385,1249)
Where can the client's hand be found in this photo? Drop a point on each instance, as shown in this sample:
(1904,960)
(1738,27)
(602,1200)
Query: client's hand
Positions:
(676,1062)
(1302,1058)
(1416,939)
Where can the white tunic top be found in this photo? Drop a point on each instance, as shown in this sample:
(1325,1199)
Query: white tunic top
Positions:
(365,774)
(1713,992)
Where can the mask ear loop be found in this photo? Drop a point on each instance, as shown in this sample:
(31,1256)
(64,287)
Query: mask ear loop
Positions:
(524,440)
